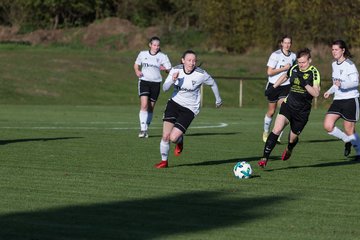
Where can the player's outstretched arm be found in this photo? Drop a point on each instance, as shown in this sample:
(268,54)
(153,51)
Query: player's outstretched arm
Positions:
(218,100)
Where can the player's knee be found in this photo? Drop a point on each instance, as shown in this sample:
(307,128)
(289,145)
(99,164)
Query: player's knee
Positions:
(270,113)
(328,127)
(166,137)
(174,139)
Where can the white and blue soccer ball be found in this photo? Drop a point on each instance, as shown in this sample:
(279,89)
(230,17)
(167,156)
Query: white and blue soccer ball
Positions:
(243,170)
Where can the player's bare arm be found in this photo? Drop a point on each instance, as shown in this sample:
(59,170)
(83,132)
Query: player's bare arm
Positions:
(281,79)
(274,71)
(137,70)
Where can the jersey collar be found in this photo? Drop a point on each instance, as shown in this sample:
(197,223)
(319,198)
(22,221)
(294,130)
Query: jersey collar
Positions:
(287,55)
(153,54)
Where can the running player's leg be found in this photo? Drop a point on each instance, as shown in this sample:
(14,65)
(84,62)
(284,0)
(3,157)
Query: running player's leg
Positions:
(170,115)
(150,112)
(143,92)
(280,123)
(297,125)
(293,140)
(184,120)
(143,116)
(349,128)
(341,109)
(351,116)
(283,91)
(165,144)
(153,96)
(272,98)
(268,119)
(329,126)
(177,137)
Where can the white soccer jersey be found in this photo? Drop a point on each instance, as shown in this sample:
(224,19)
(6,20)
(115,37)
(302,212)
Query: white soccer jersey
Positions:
(277,60)
(150,65)
(187,87)
(348,75)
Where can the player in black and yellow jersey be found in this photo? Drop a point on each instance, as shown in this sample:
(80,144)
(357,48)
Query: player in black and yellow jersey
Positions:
(305,85)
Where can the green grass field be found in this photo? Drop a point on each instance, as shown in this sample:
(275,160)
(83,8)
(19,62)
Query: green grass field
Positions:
(81,172)
(72,166)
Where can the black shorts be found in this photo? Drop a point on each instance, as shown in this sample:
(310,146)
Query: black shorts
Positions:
(178,115)
(297,119)
(278,93)
(348,109)
(150,89)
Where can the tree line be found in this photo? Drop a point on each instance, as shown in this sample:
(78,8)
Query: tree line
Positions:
(233,25)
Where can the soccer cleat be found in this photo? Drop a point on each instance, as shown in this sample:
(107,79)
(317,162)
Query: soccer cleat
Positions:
(347,149)
(357,158)
(162,164)
(178,148)
(265,136)
(262,163)
(143,134)
(286,154)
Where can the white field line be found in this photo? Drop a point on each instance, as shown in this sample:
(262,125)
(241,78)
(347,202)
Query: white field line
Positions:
(207,125)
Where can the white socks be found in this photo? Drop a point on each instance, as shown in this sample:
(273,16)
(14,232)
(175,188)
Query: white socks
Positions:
(164,150)
(267,123)
(143,116)
(354,138)
(336,132)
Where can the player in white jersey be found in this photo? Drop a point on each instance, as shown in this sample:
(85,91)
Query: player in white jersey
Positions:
(345,105)
(184,104)
(147,68)
(279,62)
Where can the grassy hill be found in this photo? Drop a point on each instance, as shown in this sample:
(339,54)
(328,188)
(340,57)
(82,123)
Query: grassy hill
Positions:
(83,76)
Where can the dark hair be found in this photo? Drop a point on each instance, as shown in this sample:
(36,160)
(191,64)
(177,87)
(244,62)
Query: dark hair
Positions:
(343,45)
(285,36)
(303,52)
(155,38)
(279,41)
(188,52)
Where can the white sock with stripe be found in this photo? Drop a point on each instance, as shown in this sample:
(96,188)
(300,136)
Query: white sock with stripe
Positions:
(267,123)
(336,132)
(143,116)
(164,150)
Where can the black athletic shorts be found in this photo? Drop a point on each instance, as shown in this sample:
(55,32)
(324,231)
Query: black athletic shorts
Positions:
(348,109)
(178,115)
(297,119)
(150,89)
(278,93)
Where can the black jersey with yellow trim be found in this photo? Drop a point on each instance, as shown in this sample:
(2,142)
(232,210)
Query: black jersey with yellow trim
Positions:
(299,98)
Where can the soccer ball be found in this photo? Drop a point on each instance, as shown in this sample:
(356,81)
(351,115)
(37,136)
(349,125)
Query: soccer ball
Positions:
(243,170)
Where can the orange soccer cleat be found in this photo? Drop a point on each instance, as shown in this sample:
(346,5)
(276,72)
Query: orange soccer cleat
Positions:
(262,163)
(162,164)
(178,149)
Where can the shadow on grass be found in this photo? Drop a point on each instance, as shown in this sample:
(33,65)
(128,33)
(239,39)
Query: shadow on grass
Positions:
(140,219)
(226,161)
(4,142)
(352,161)
(218,162)
(211,133)
(202,134)
(321,141)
